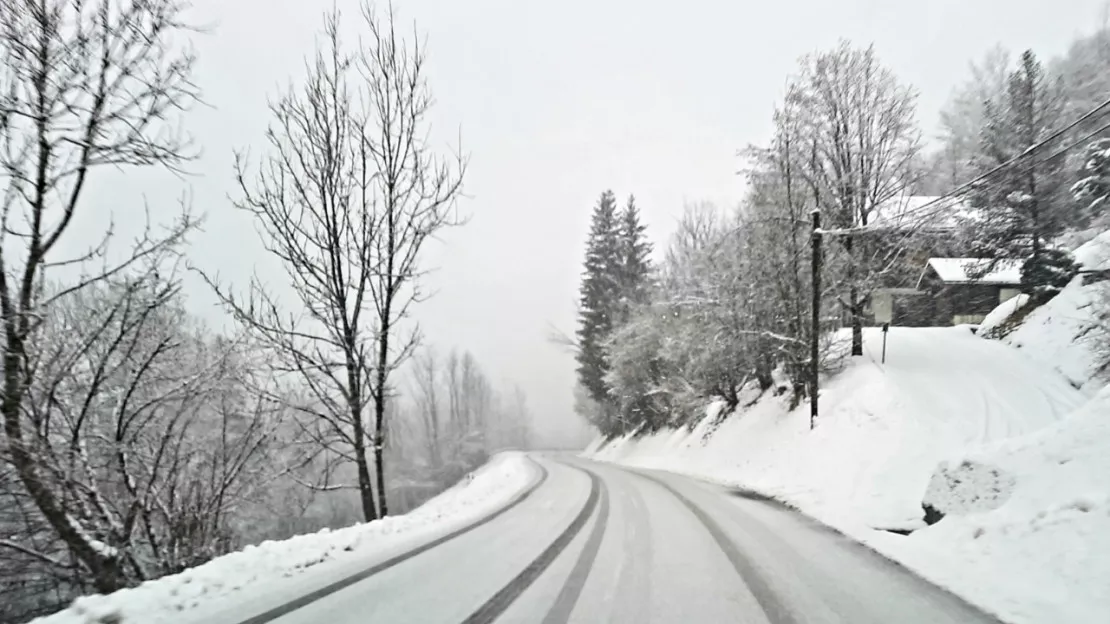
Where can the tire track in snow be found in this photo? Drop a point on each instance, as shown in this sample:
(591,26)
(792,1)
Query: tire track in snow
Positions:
(327,590)
(634,581)
(496,605)
(572,589)
(773,607)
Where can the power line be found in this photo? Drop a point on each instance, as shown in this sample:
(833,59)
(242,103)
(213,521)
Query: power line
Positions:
(963,188)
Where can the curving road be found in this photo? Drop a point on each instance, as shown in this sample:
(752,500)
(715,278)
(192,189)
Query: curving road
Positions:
(598,543)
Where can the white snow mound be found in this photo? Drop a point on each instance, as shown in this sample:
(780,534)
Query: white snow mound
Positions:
(271,573)
(1003,312)
(1040,555)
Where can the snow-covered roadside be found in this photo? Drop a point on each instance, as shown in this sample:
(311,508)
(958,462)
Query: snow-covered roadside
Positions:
(274,572)
(1040,555)
(1028,525)
(944,395)
(883,428)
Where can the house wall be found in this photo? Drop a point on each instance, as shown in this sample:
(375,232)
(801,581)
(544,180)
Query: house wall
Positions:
(955,304)
(915,310)
(969,300)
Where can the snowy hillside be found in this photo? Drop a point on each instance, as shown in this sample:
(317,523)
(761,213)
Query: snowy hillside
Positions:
(1035,510)
(1016,426)
(241,584)
(1047,538)
(1068,331)
(883,427)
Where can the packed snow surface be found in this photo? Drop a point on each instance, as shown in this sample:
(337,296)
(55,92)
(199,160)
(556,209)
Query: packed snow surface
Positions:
(275,572)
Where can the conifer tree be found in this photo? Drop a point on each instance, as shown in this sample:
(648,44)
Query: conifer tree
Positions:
(635,260)
(1024,206)
(598,305)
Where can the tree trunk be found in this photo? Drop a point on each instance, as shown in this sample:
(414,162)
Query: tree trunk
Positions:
(365,485)
(855,304)
(856,309)
(763,372)
(379,410)
(107,572)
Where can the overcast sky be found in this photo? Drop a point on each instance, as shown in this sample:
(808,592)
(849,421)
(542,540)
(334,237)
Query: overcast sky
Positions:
(555,102)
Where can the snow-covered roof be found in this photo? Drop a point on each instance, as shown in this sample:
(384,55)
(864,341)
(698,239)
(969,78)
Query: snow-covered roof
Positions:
(970,270)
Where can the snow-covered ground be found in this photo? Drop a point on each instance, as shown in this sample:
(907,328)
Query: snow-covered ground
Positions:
(235,586)
(1028,530)
(1042,554)
(1011,438)
(1067,331)
(883,428)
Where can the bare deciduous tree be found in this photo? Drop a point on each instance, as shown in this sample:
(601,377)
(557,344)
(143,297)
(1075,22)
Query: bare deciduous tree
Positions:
(142,429)
(417,190)
(84,85)
(346,198)
(858,145)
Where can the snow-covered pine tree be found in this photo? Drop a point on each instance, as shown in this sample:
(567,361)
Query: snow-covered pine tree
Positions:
(635,257)
(598,308)
(633,397)
(1022,208)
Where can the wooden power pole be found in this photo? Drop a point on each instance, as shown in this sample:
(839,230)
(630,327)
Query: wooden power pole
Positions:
(815,329)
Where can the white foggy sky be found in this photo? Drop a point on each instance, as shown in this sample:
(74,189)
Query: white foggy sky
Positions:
(555,102)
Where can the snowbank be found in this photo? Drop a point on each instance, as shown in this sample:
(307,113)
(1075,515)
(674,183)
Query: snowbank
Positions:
(1023,465)
(882,431)
(274,572)
(1040,555)
(1071,330)
(1002,313)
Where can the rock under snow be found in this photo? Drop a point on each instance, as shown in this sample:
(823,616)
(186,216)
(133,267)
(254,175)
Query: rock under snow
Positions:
(967,487)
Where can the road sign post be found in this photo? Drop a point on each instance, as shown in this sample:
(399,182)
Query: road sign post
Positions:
(886,330)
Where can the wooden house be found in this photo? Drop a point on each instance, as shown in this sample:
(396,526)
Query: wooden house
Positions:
(957,291)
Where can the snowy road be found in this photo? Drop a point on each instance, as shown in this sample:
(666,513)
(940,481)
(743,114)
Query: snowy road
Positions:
(598,543)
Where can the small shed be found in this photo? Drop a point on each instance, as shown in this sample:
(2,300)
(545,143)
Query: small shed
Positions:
(965,290)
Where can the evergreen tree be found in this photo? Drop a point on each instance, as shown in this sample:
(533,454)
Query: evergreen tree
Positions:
(1025,206)
(599,301)
(635,260)
(635,407)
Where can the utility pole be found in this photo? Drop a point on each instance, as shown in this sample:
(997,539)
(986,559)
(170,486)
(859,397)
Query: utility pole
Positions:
(815,329)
